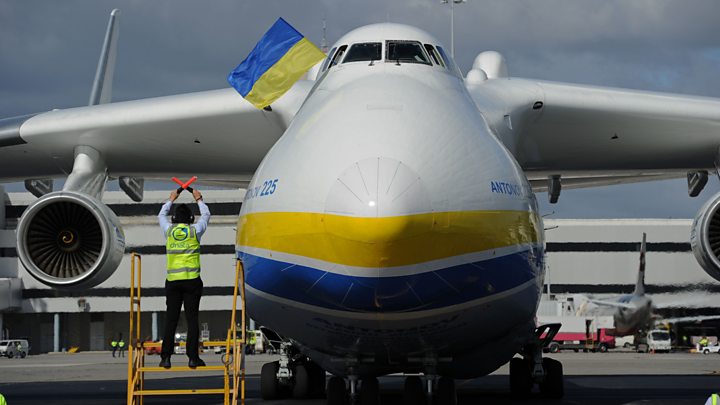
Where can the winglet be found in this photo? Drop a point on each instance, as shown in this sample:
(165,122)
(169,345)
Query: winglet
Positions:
(102,86)
(640,284)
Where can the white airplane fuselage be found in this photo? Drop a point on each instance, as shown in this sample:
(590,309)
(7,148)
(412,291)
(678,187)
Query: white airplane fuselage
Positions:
(388,224)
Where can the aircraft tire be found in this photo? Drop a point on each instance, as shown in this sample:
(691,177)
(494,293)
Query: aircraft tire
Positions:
(413,393)
(369,391)
(553,386)
(336,392)
(269,384)
(520,379)
(446,392)
(317,380)
(301,386)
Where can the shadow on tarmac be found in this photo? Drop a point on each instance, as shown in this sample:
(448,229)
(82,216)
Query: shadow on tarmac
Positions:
(605,390)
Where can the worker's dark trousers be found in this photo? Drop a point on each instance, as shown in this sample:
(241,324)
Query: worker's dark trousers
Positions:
(177,293)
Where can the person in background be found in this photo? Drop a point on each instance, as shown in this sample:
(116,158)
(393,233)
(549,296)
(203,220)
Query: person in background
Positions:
(121,346)
(114,344)
(183,286)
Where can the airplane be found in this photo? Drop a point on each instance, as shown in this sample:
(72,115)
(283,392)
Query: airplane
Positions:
(390,223)
(632,312)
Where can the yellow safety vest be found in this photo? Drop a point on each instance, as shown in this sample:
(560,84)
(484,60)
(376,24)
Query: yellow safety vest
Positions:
(715,399)
(2,400)
(183,253)
(121,344)
(113,343)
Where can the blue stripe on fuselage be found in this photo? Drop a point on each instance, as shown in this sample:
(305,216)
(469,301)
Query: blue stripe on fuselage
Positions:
(423,291)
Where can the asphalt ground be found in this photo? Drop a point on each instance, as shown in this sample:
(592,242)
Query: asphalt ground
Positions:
(590,378)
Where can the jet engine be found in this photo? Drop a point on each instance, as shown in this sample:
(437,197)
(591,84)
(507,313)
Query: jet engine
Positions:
(70,240)
(705,237)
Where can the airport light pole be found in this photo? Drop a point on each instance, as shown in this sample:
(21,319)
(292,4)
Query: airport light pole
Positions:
(452,23)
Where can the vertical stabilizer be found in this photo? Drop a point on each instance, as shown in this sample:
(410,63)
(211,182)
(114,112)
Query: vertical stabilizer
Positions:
(102,86)
(640,284)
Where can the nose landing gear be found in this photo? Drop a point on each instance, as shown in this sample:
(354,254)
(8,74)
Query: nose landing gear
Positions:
(532,368)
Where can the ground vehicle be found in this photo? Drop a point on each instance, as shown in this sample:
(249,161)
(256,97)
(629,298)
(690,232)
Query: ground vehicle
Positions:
(14,347)
(180,337)
(708,349)
(597,340)
(658,340)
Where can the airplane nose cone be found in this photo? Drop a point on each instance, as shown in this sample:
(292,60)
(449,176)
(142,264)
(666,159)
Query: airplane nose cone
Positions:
(374,204)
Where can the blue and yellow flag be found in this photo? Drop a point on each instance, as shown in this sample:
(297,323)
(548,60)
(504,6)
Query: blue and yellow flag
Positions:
(274,65)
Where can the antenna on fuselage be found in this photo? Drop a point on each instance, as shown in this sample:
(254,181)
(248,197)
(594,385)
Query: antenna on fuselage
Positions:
(323,42)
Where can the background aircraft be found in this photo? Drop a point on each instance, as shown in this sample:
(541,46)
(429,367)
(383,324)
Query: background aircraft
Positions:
(632,312)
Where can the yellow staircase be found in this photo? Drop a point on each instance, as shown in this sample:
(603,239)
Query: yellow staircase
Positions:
(233,367)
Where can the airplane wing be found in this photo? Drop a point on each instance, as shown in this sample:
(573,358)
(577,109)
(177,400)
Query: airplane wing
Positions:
(611,304)
(216,135)
(687,319)
(598,136)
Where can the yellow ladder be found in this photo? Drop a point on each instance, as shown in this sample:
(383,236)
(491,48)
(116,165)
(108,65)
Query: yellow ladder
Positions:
(233,367)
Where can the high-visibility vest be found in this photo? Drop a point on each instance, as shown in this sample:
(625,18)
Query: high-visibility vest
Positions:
(2,400)
(715,398)
(183,253)
(113,343)
(121,344)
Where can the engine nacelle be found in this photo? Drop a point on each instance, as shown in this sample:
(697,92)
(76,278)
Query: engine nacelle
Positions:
(705,237)
(70,240)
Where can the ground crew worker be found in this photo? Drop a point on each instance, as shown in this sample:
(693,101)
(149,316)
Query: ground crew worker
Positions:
(183,286)
(714,399)
(114,345)
(704,341)
(252,341)
(121,346)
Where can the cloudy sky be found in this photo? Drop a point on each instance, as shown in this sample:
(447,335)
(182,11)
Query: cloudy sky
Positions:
(49,50)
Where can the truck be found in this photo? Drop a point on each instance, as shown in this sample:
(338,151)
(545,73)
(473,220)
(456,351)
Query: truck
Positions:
(594,341)
(591,333)
(656,341)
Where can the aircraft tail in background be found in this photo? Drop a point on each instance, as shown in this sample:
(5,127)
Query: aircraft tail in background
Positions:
(640,284)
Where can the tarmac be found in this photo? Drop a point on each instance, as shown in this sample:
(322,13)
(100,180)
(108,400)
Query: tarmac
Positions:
(590,378)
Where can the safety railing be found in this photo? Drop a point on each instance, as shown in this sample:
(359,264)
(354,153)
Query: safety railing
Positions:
(233,366)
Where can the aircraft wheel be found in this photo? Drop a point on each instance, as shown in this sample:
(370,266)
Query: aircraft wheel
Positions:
(317,380)
(336,391)
(269,384)
(369,391)
(413,393)
(553,386)
(520,379)
(446,392)
(301,385)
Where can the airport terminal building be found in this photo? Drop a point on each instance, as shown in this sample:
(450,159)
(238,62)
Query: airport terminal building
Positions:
(594,257)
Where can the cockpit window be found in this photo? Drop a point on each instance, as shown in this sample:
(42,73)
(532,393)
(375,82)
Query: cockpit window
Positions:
(326,62)
(434,55)
(338,56)
(368,51)
(406,52)
(448,62)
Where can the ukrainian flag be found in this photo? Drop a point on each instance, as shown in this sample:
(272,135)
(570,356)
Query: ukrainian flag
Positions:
(274,65)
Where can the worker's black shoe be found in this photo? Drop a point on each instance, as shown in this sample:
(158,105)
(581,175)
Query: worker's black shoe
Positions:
(192,363)
(165,362)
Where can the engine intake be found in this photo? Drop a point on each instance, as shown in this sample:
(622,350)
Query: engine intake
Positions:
(70,240)
(705,237)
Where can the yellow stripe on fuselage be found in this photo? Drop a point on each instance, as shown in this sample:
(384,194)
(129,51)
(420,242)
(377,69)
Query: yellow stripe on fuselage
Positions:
(386,241)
